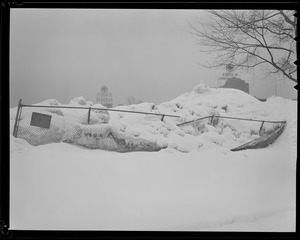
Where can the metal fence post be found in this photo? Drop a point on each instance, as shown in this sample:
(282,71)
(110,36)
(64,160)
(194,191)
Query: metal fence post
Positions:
(261,127)
(16,126)
(89,115)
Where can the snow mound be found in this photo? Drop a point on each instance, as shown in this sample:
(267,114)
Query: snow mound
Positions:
(98,105)
(194,183)
(80,101)
(99,116)
(49,102)
(106,137)
(213,132)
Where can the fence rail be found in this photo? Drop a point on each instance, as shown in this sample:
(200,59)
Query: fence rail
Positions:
(104,109)
(86,118)
(243,119)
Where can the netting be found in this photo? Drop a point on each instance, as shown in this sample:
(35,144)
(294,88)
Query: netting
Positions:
(83,126)
(90,127)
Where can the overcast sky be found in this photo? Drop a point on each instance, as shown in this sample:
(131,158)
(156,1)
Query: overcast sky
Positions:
(148,54)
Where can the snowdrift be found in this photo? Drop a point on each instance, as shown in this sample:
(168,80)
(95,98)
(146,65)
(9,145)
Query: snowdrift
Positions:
(120,131)
(194,183)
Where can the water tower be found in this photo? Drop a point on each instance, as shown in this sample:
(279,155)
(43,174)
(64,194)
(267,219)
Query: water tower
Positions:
(104,97)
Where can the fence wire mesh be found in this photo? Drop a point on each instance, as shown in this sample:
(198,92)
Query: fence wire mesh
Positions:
(90,126)
(85,126)
(39,125)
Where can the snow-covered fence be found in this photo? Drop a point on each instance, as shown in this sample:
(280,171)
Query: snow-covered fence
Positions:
(92,127)
(39,124)
(263,141)
(268,131)
(260,131)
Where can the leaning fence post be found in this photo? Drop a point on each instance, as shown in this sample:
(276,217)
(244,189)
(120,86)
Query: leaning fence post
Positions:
(15,132)
(261,127)
(89,115)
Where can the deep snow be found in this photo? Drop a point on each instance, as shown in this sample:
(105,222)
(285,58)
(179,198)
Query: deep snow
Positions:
(196,183)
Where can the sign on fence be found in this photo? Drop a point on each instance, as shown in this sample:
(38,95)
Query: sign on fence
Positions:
(40,120)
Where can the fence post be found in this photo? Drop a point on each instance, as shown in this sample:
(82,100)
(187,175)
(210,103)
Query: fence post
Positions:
(15,132)
(261,127)
(89,115)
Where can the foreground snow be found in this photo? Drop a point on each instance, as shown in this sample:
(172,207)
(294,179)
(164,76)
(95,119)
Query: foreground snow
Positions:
(60,186)
(182,187)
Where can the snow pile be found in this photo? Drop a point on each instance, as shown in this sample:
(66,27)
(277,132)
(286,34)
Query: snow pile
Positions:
(201,102)
(79,101)
(108,138)
(99,116)
(206,188)
(65,122)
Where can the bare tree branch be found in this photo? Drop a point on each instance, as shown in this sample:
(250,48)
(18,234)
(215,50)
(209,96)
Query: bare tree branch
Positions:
(287,19)
(249,38)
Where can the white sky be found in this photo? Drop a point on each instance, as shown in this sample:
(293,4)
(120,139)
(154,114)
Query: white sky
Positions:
(148,54)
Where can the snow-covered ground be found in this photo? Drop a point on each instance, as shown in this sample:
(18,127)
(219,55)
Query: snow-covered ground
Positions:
(195,183)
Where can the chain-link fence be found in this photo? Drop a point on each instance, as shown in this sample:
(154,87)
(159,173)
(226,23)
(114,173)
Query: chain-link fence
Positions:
(86,126)
(264,132)
(259,127)
(90,127)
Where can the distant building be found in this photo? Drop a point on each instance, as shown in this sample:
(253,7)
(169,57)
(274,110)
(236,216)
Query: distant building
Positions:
(236,83)
(104,97)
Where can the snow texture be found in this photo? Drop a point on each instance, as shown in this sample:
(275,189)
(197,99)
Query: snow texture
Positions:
(202,101)
(193,183)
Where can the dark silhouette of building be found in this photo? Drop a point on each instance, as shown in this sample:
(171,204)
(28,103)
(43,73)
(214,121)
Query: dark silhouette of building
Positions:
(236,83)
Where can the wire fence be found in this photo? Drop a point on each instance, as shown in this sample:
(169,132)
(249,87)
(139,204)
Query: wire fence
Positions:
(33,122)
(219,116)
(259,132)
(39,124)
